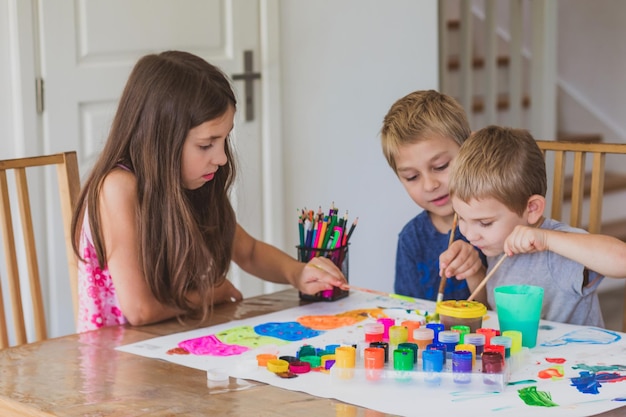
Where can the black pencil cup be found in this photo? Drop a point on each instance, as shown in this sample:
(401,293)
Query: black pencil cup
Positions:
(339,256)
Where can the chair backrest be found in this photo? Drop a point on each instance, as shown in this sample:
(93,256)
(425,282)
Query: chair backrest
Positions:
(584,182)
(69,187)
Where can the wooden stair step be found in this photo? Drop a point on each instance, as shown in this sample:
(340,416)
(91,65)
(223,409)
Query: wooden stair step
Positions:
(502,103)
(615,228)
(478,62)
(613,181)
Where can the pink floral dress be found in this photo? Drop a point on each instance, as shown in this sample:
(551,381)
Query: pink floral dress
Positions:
(97,301)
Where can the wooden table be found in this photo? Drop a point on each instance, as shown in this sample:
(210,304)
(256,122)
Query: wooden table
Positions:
(83,375)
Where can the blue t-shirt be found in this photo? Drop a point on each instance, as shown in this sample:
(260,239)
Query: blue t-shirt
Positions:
(417,261)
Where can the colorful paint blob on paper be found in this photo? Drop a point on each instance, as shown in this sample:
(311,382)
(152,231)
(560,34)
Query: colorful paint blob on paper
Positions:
(240,339)
(532,397)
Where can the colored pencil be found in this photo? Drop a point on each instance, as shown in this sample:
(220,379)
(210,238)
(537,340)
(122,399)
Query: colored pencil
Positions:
(442,282)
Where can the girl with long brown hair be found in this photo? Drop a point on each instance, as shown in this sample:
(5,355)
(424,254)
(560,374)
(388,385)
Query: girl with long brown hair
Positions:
(154,227)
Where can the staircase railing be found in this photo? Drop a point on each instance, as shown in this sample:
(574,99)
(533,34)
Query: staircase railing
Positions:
(529,21)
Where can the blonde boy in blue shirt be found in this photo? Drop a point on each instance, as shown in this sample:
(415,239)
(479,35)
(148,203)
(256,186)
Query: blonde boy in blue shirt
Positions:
(421,135)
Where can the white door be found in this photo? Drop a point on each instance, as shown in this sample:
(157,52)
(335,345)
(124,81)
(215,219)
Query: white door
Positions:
(87,51)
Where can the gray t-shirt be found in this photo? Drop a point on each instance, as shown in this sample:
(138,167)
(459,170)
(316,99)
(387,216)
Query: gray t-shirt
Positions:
(565,299)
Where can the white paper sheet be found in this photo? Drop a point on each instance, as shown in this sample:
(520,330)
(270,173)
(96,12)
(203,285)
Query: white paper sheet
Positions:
(581,348)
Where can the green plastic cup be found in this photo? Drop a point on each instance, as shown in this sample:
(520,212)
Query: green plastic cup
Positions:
(519,308)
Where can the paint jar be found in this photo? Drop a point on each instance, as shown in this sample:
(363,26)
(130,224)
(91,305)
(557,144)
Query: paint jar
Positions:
(437,327)
(384,346)
(516,340)
(462,367)
(493,368)
(432,365)
(374,332)
(299,367)
(373,362)
(476,339)
(345,361)
(403,364)
(327,361)
(330,349)
(339,256)
(469,348)
(277,366)
(387,322)
(397,335)
(495,348)
(437,346)
(423,337)
(489,333)
(410,325)
(462,312)
(462,329)
(315,361)
(503,341)
(262,358)
(307,350)
(412,347)
(449,338)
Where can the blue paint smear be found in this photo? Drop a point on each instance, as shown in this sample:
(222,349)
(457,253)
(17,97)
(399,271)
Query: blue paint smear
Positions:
(590,382)
(589,336)
(587,383)
(291,331)
(619,399)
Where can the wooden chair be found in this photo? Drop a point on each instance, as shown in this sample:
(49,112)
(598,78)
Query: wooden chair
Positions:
(583,184)
(69,187)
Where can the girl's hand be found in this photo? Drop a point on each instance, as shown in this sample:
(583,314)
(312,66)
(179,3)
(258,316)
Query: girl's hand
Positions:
(226,293)
(320,274)
(461,260)
(525,239)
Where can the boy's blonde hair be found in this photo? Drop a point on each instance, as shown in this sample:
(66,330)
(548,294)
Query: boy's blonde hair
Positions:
(501,163)
(418,115)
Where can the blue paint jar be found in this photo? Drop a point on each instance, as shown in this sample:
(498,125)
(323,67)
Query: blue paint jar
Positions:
(437,346)
(432,365)
(462,367)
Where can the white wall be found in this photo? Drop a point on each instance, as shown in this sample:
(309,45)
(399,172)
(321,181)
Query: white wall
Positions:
(375,52)
(592,66)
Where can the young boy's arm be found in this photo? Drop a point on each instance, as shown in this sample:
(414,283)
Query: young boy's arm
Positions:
(463,261)
(603,254)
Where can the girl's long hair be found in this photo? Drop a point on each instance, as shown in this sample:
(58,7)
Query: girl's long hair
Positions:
(185,236)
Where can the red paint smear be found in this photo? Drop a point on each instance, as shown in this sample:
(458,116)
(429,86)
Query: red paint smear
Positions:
(550,373)
(555,360)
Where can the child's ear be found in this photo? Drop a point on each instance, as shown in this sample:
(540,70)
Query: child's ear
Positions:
(535,207)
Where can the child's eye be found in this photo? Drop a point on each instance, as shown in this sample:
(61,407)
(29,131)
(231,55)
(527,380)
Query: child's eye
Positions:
(411,178)
(206,147)
(442,167)
(485,224)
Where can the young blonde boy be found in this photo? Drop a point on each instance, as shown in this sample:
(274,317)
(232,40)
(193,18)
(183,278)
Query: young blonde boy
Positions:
(498,186)
(421,136)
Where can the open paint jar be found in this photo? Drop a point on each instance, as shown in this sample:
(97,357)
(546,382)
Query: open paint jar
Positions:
(461,312)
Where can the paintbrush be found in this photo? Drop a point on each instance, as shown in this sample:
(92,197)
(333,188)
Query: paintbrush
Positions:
(487,278)
(442,282)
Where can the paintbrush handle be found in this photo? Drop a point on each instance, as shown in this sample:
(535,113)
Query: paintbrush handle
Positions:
(442,281)
(368,290)
(487,278)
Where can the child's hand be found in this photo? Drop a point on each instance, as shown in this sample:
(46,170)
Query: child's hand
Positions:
(226,292)
(461,260)
(525,239)
(320,274)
